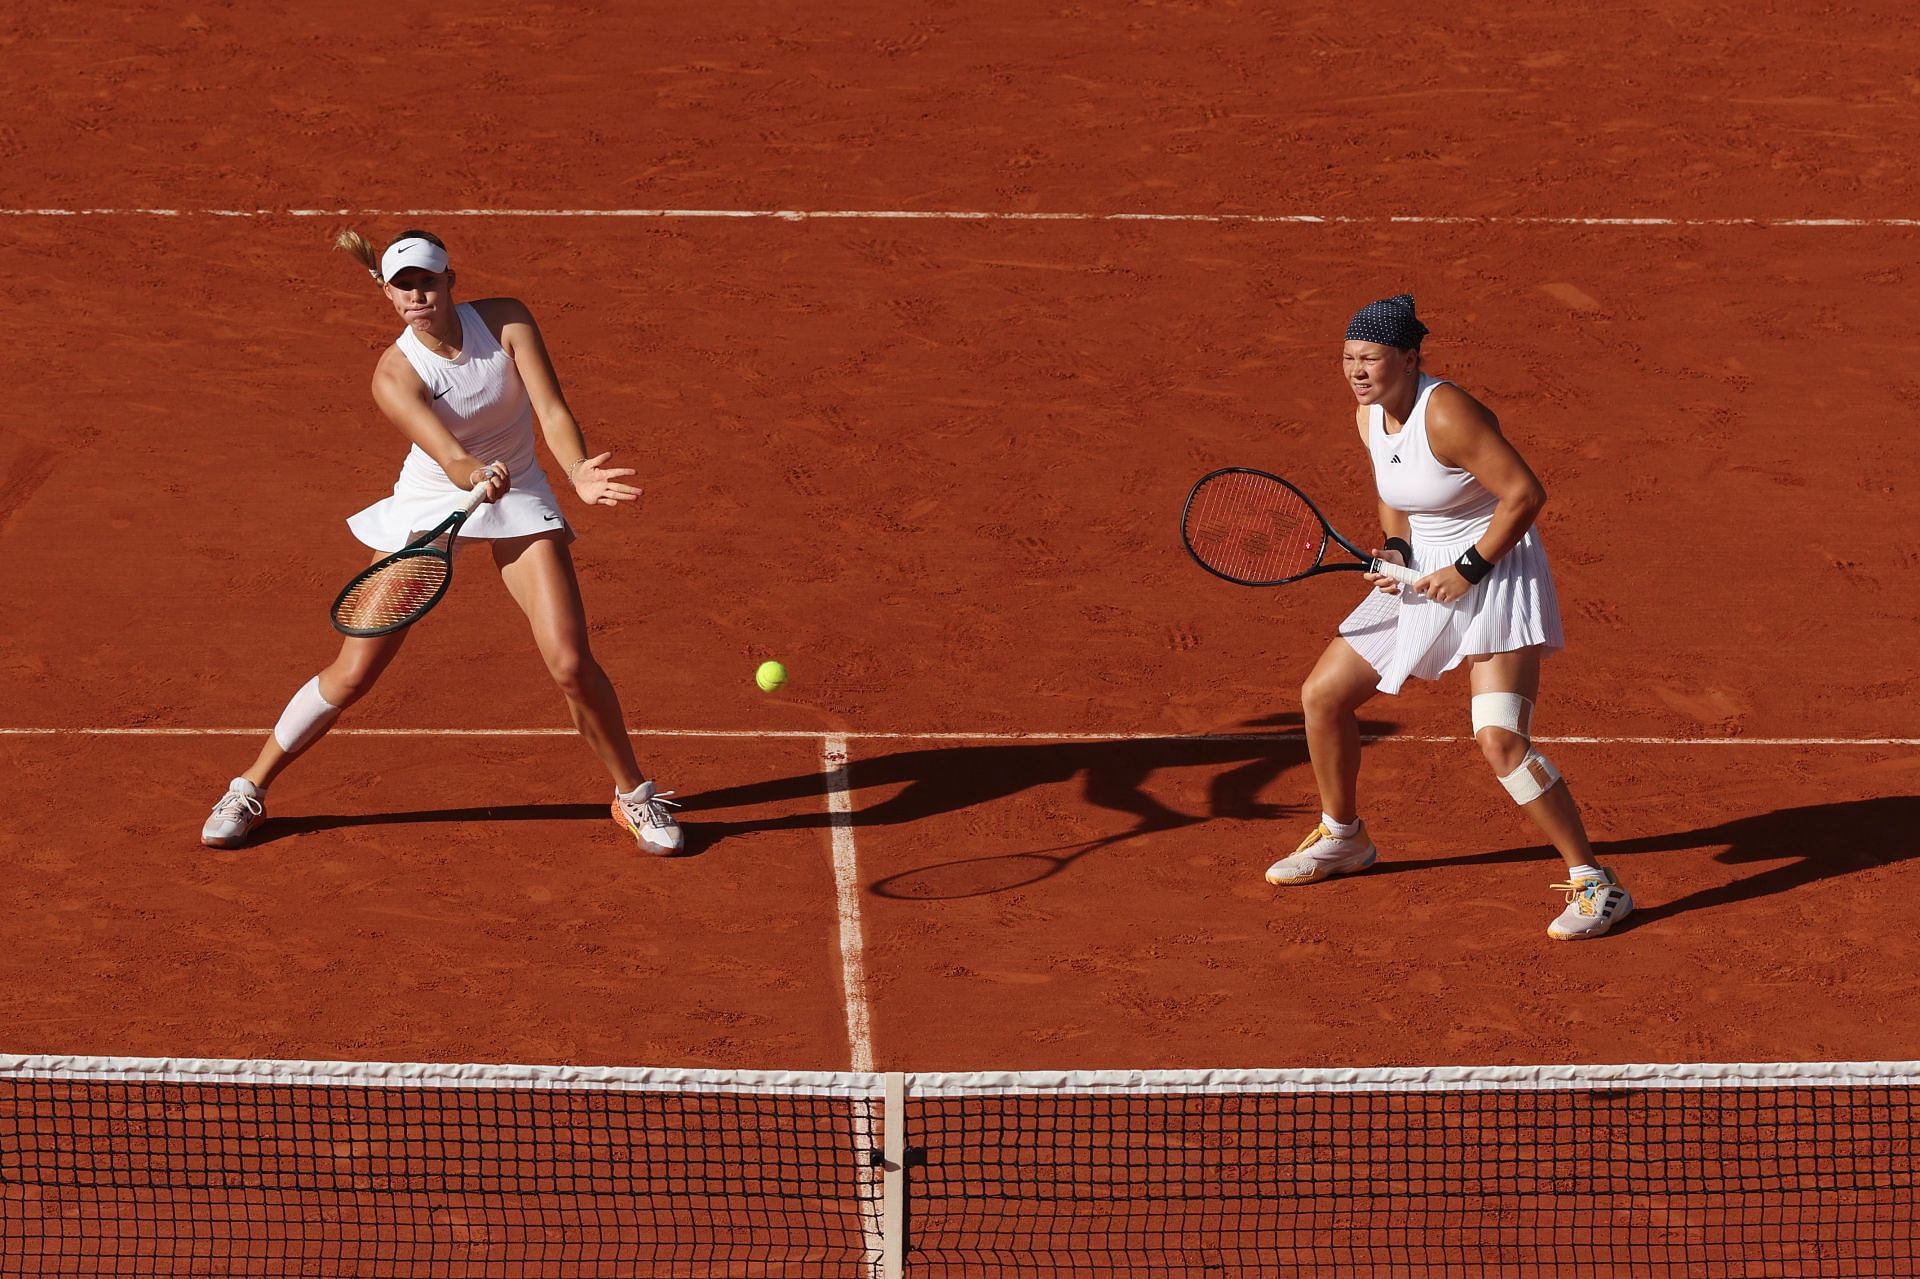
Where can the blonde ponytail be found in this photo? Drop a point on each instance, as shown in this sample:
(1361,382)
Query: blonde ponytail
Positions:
(354,243)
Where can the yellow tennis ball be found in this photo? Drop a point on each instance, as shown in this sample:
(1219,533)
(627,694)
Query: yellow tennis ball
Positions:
(770,676)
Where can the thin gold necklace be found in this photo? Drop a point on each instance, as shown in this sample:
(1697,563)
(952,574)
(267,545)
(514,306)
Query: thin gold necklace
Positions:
(443,349)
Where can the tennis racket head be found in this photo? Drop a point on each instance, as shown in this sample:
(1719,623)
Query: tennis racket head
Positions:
(394,593)
(397,591)
(1252,528)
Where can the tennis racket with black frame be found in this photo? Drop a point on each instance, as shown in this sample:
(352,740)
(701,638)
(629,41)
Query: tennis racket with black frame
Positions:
(1256,529)
(397,591)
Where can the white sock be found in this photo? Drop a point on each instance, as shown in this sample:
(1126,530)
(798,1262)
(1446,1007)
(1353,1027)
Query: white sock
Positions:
(307,716)
(1581,872)
(629,794)
(1340,830)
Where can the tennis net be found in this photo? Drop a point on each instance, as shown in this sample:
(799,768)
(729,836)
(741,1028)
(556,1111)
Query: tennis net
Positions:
(159,1167)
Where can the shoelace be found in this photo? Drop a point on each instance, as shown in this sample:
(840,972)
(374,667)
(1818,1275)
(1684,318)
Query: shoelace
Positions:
(234,802)
(652,815)
(1320,832)
(1586,891)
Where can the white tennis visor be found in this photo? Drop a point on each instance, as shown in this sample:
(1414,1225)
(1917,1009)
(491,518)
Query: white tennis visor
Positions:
(415,252)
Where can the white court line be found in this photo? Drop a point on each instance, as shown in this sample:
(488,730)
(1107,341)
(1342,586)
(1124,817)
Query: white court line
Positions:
(846,891)
(856,735)
(983,215)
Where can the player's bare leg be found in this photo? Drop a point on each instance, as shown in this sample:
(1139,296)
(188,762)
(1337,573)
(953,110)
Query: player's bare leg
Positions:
(1595,899)
(307,718)
(348,678)
(1554,813)
(538,572)
(1340,683)
(539,575)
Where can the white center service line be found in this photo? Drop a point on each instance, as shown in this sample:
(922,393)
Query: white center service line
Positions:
(846,892)
(985,215)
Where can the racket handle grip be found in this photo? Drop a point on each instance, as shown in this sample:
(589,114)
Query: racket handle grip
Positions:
(1398,572)
(477,494)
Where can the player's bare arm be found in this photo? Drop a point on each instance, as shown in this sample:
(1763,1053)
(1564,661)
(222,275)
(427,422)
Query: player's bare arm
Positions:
(404,398)
(1393,524)
(1464,433)
(593,481)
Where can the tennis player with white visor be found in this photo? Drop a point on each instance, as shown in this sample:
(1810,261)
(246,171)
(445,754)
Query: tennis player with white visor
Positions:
(466,383)
(1457,504)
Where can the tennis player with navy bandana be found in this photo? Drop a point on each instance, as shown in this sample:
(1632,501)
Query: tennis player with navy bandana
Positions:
(1458,505)
(466,384)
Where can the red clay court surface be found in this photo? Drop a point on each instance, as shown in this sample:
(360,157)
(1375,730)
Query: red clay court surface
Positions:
(934,464)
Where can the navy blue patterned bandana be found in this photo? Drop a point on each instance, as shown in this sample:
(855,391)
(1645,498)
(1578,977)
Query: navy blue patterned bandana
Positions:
(1390,322)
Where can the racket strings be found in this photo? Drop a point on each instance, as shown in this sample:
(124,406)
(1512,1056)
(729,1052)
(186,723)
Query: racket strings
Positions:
(394,593)
(1254,529)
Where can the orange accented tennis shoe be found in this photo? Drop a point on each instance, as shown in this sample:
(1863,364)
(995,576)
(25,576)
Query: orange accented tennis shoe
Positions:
(643,813)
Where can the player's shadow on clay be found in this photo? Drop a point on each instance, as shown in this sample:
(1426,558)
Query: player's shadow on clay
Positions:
(276,828)
(914,785)
(1794,847)
(921,783)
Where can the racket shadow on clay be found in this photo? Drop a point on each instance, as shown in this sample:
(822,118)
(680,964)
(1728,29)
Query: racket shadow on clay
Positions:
(984,876)
(1236,771)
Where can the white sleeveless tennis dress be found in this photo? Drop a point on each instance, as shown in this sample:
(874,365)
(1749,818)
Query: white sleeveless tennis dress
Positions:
(1409,635)
(479,397)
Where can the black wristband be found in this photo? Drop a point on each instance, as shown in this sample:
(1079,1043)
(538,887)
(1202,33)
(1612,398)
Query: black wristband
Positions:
(1401,545)
(1472,566)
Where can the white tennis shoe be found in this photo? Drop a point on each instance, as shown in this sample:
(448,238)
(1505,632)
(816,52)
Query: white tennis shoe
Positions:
(235,816)
(1593,906)
(1323,854)
(643,813)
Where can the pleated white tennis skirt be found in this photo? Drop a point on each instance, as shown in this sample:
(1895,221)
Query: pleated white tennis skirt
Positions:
(1408,636)
(527,508)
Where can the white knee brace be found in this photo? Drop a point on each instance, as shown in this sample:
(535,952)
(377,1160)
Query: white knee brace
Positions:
(307,716)
(1534,778)
(1503,710)
(1514,713)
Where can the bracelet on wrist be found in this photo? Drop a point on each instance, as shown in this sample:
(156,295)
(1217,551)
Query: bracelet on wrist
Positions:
(1401,545)
(1473,566)
(575,467)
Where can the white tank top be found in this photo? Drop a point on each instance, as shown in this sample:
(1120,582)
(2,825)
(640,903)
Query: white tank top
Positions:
(1443,504)
(477,395)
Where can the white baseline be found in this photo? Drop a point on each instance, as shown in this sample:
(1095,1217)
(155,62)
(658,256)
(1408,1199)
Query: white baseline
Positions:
(986,215)
(807,734)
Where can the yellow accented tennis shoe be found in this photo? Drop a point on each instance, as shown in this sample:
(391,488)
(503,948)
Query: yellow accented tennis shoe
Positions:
(1593,906)
(1323,854)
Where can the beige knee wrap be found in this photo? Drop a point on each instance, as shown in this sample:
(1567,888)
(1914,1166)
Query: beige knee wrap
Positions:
(1514,714)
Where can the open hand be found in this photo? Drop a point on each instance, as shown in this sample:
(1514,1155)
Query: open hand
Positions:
(598,484)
